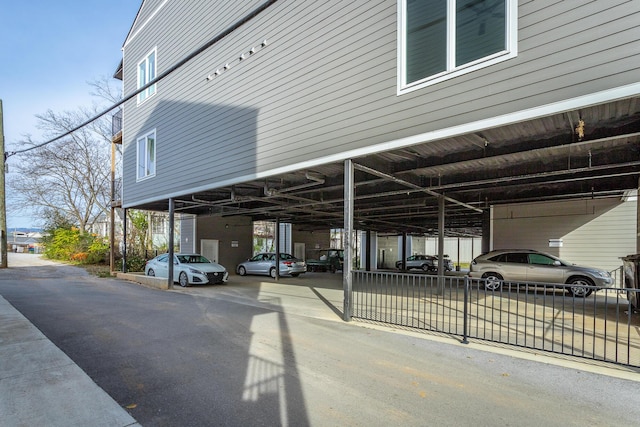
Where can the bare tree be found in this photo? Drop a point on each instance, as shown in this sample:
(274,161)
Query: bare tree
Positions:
(70,176)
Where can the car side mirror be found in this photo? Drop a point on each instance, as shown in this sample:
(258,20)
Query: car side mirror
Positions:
(175,262)
(557,263)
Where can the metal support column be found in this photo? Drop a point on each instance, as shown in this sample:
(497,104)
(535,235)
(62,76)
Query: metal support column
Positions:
(170,257)
(276,236)
(367,252)
(347,277)
(403,251)
(124,241)
(638,220)
(112,216)
(4,263)
(441,204)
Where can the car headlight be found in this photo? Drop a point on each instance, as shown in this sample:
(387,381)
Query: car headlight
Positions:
(194,271)
(605,274)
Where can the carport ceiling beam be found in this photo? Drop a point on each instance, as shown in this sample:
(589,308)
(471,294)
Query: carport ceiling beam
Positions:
(413,186)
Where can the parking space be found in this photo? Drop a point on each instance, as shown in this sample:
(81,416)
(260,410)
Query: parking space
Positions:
(318,295)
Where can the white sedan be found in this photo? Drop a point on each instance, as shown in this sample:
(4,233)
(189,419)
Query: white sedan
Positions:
(188,269)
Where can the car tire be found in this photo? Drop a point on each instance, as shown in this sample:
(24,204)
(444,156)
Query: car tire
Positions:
(492,281)
(151,273)
(183,280)
(242,271)
(272,272)
(579,287)
(292,274)
(426,267)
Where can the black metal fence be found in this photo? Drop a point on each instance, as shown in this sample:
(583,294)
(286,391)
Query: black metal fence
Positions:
(601,327)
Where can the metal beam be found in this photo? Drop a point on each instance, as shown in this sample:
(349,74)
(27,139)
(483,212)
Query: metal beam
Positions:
(413,186)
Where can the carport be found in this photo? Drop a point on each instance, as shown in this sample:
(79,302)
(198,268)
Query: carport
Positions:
(591,152)
(443,183)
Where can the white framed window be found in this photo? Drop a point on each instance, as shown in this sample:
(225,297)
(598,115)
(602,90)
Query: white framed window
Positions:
(146,155)
(146,73)
(442,39)
(159,225)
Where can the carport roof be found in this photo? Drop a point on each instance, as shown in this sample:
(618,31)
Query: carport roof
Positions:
(587,153)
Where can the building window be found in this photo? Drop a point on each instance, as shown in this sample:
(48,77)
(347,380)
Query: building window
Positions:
(147,155)
(159,225)
(442,39)
(146,73)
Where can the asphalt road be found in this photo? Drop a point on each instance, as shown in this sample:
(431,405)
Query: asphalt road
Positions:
(177,359)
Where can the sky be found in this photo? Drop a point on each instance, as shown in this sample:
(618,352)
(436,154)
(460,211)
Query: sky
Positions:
(49,50)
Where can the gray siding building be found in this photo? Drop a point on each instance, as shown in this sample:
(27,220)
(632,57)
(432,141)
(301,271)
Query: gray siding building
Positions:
(253,93)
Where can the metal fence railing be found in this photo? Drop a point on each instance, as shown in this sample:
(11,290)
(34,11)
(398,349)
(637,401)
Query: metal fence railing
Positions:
(116,122)
(602,327)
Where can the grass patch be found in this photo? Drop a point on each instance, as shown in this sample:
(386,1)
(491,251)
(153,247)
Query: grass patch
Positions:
(100,270)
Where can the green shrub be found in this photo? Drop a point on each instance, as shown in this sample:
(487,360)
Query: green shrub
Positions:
(98,250)
(69,244)
(135,263)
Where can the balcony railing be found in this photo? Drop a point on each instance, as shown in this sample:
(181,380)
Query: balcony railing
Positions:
(116,123)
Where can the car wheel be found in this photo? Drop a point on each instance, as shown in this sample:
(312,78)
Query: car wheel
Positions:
(425,267)
(183,280)
(242,271)
(292,274)
(492,281)
(579,287)
(151,272)
(272,272)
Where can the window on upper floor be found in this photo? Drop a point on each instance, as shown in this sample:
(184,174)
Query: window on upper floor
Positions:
(146,73)
(146,155)
(442,39)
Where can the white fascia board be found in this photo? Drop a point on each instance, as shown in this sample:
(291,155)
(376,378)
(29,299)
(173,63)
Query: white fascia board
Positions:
(602,97)
(144,24)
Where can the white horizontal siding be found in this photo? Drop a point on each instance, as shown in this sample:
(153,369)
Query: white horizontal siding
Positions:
(594,232)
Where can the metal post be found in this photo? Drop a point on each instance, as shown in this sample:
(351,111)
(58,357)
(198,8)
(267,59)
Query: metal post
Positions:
(368,252)
(441,201)
(170,258)
(124,241)
(3,199)
(638,220)
(276,237)
(347,278)
(465,311)
(112,217)
(403,251)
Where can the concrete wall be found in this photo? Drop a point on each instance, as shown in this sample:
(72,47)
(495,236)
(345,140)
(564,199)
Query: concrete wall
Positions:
(234,234)
(313,240)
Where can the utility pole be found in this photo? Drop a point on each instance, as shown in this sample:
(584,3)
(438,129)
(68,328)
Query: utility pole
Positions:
(3,205)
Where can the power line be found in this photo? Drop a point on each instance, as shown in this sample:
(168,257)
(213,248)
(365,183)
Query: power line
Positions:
(169,71)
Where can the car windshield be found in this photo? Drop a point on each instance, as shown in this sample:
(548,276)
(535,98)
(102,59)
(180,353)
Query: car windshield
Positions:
(193,259)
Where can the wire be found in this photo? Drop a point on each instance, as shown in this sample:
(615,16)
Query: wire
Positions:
(169,71)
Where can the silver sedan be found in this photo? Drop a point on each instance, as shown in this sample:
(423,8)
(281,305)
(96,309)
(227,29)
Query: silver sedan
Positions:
(265,263)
